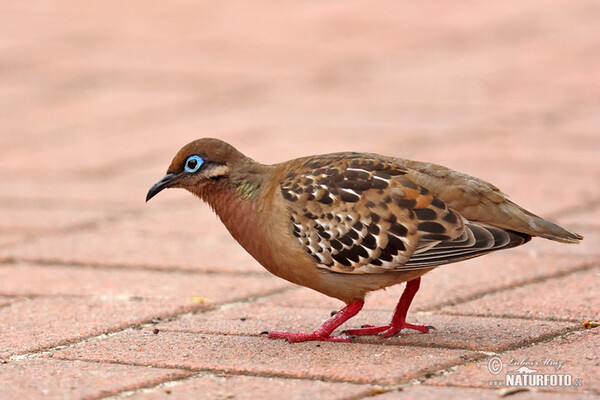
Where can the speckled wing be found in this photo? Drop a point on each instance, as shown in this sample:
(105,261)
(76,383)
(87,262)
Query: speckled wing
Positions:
(361,214)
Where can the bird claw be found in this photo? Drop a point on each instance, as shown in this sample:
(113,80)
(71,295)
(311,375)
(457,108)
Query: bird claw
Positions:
(308,337)
(385,331)
(366,330)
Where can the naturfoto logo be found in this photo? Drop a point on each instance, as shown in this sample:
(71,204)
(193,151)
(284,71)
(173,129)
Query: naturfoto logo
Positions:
(531,373)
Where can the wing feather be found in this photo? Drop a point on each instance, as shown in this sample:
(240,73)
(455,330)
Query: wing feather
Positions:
(356,214)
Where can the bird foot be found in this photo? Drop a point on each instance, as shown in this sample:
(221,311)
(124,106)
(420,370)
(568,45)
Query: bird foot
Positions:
(385,331)
(308,337)
(323,333)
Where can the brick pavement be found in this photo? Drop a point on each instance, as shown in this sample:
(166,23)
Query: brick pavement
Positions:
(96,98)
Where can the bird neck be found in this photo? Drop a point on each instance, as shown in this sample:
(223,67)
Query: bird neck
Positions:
(232,203)
(238,200)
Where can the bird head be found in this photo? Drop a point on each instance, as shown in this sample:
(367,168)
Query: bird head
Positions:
(196,165)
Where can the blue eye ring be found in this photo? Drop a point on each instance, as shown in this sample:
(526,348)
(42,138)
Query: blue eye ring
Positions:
(193,164)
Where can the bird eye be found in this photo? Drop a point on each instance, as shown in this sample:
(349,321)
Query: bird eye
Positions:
(193,163)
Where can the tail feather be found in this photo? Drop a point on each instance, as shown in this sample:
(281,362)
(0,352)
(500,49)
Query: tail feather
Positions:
(520,220)
(549,230)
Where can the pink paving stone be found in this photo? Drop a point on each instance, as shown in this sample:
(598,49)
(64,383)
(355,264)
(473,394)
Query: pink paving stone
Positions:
(62,379)
(250,388)
(31,325)
(112,184)
(124,244)
(583,123)
(455,283)
(175,288)
(472,333)
(7,300)
(368,363)
(10,238)
(487,95)
(306,29)
(576,353)
(573,297)
(88,110)
(35,220)
(93,138)
(337,140)
(109,188)
(125,190)
(111,245)
(425,392)
(191,217)
(586,248)
(529,178)
(126,247)
(588,219)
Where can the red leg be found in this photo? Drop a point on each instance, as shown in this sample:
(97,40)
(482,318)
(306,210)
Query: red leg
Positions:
(322,333)
(398,319)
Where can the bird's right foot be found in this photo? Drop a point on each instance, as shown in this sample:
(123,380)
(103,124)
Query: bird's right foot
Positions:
(386,331)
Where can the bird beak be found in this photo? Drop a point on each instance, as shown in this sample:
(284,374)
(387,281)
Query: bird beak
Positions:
(167,181)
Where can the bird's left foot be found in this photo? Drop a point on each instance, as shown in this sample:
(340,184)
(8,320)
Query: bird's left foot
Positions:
(323,333)
(385,331)
(307,337)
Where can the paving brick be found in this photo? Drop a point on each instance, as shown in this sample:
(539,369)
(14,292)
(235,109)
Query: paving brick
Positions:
(100,125)
(89,98)
(587,218)
(113,246)
(575,353)
(6,300)
(125,180)
(472,333)
(439,392)
(126,189)
(62,379)
(95,100)
(568,163)
(190,218)
(9,238)
(34,324)
(36,220)
(456,283)
(203,244)
(573,297)
(175,288)
(124,246)
(585,248)
(110,190)
(581,123)
(251,355)
(250,388)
